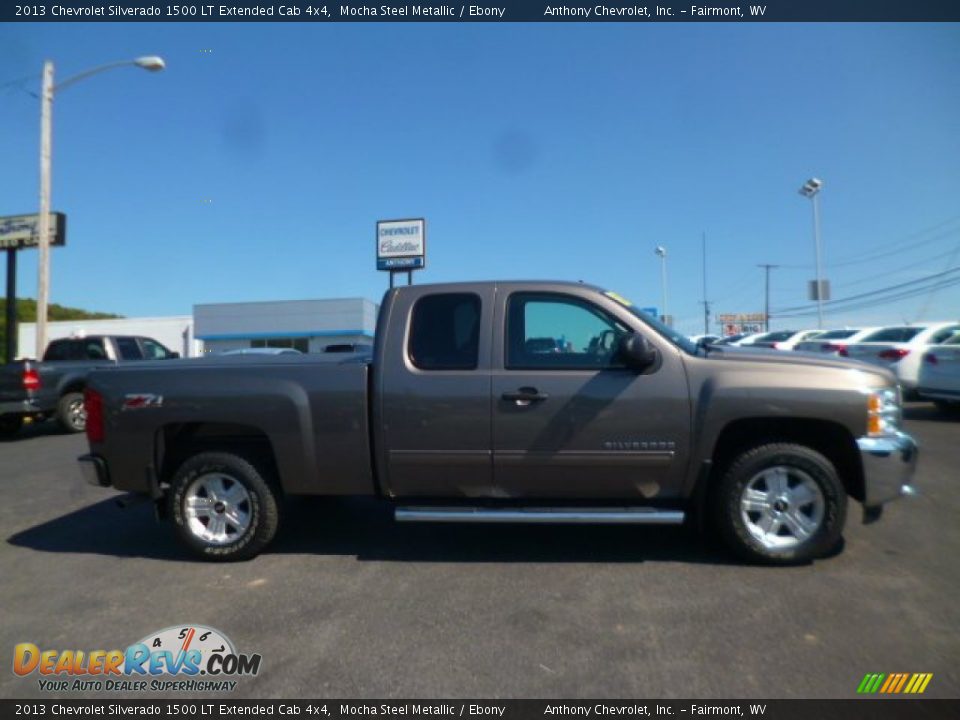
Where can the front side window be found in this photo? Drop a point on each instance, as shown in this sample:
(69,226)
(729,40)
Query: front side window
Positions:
(445,332)
(555,332)
(154,350)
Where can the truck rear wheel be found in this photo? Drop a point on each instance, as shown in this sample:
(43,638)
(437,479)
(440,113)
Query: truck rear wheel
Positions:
(781,504)
(71,414)
(222,506)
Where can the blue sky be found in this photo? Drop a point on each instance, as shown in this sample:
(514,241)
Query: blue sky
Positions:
(257,170)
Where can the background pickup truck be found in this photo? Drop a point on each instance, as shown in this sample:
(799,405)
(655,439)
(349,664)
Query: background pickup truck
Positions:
(54,386)
(509,402)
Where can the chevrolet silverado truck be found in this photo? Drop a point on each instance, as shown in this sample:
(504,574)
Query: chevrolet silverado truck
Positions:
(54,386)
(518,402)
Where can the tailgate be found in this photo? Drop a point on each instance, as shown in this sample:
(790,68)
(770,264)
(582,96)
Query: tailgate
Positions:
(11,383)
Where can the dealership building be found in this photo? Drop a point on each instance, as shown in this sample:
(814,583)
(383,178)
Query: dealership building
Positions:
(306,325)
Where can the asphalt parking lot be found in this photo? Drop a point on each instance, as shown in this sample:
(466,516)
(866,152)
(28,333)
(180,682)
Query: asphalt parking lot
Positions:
(349,604)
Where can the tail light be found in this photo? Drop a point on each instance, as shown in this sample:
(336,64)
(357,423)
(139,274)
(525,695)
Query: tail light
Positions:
(778,346)
(31,379)
(93,404)
(893,354)
(930,358)
(842,351)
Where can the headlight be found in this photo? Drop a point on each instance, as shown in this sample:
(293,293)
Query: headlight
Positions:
(884,412)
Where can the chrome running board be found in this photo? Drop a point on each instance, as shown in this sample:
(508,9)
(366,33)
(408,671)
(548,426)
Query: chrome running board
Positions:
(583,516)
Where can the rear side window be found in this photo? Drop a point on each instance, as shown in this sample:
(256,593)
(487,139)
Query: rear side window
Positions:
(128,348)
(445,332)
(894,334)
(58,350)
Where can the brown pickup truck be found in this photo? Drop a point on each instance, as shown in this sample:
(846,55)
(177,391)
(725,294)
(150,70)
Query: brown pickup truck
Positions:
(529,402)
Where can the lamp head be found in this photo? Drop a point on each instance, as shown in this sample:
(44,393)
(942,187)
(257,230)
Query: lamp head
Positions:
(153,63)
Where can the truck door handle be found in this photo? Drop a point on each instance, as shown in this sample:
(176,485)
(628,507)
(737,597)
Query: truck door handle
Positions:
(525,396)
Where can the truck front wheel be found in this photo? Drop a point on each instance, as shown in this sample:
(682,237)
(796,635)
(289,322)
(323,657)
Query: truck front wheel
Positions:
(781,504)
(222,507)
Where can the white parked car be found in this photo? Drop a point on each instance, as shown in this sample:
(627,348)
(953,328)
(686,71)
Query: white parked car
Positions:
(783,339)
(900,348)
(739,339)
(939,378)
(834,342)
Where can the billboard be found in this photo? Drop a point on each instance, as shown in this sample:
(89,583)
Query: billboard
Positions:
(401,244)
(23,231)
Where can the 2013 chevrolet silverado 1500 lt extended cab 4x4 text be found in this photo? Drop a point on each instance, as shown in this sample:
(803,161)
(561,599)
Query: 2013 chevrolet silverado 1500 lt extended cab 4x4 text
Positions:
(533,402)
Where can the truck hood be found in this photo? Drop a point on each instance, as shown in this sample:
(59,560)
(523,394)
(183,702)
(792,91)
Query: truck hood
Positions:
(804,359)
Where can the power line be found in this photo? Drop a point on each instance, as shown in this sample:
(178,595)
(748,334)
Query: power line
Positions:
(906,295)
(892,248)
(947,278)
(926,278)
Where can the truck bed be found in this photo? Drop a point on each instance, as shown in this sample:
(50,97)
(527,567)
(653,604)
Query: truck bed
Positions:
(313,415)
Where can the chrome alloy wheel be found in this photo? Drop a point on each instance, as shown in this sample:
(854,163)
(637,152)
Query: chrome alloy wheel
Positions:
(77,414)
(782,507)
(217,508)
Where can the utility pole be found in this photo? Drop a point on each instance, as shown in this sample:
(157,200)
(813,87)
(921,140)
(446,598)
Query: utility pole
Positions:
(766,295)
(706,303)
(43,242)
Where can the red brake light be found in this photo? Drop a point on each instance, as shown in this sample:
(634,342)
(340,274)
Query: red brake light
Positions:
(930,358)
(93,404)
(894,354)
(842,351)
(31,379)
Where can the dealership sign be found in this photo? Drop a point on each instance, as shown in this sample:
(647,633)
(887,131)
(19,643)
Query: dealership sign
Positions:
(23,231)
(401,244)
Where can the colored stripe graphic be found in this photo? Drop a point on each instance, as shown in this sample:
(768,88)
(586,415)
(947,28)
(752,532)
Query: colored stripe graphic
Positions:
(894,683)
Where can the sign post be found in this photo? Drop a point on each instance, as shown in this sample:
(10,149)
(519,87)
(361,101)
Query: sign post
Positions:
(401,246)
(16,233)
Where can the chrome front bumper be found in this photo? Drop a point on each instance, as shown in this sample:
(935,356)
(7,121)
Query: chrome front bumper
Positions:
(888,466)
(94,470)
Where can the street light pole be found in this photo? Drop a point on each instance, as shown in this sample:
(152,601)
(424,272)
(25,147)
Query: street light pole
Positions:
(661,252)
(811,189)
(148,62)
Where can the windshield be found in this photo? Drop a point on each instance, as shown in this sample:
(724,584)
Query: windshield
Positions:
(674,336)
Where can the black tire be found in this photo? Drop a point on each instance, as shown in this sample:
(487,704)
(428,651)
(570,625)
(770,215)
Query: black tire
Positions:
(70,413)
(262,506)
(10,425)
(738,526)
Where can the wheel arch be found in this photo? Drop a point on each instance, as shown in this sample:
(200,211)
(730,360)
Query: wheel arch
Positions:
(177,442)
(833,440)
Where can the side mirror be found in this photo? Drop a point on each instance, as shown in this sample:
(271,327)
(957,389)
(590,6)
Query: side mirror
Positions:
(636,352)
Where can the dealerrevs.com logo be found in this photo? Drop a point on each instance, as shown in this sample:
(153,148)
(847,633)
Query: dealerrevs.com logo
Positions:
(187,658)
